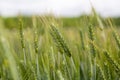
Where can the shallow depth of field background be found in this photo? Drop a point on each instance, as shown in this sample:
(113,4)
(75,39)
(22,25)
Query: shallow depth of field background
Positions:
(59,40)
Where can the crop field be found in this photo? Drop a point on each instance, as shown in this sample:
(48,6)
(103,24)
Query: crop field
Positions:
(47,50)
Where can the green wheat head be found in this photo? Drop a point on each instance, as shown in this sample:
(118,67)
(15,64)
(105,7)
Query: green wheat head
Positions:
(21,33)
(60,42)
(115,65)
(117,38)
(92,39)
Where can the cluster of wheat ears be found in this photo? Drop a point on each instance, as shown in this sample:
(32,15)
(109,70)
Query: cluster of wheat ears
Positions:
(50,52)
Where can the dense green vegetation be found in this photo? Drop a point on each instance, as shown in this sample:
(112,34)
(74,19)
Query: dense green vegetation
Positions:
(46,48)
(12,22)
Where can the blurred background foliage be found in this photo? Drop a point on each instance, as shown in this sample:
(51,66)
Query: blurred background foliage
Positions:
(12,22)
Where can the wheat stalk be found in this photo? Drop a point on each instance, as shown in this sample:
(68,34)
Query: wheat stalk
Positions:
(22,39)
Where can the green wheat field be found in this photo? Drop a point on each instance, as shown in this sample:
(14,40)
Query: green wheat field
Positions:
(49,48)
